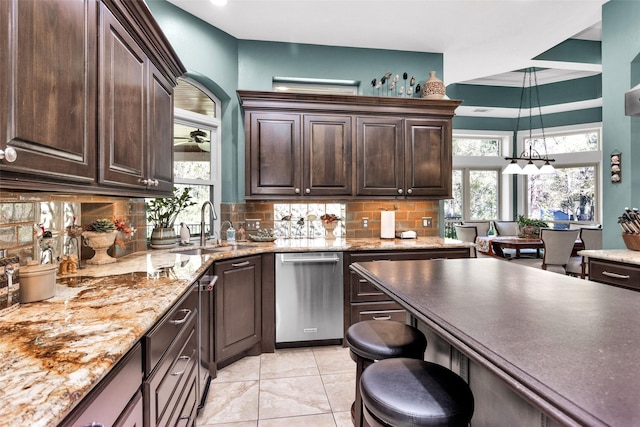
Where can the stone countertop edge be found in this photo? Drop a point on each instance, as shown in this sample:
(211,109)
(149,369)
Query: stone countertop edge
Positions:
(55,351)
(619,255)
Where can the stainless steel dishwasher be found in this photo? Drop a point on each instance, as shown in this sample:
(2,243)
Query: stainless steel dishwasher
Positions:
(309,298)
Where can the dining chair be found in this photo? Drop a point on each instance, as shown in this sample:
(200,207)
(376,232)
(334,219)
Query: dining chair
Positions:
(467,233)
(506,228)
(558,246)
(482,227)
(591,239)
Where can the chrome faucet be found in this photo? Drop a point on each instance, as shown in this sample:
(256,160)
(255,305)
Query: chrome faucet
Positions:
(212,215)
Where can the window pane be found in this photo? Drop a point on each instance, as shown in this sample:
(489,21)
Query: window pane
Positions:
(191,152)
(190,98)
(574,143)
(191,215)
(476,147)
(567,195)
(483,201)
(453,207)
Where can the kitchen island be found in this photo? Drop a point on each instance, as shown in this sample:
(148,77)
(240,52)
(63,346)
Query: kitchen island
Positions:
(54,352)
(537,348)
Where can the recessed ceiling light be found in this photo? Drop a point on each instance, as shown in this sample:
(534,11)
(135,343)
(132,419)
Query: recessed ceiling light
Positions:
(218,2)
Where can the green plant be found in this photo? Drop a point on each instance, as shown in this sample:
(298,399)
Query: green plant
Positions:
(532,222)
(102,226)
(162,212)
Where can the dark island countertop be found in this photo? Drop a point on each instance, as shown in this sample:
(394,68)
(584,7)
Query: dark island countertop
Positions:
(568,346)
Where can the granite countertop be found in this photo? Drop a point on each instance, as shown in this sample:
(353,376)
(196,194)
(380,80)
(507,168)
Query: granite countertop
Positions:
(567,345)
(53,352)
(618,255)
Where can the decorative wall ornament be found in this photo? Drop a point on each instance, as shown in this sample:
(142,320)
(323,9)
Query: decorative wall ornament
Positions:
(616,167)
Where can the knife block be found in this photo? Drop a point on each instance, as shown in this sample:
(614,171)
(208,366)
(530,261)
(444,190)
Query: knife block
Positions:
(632,241)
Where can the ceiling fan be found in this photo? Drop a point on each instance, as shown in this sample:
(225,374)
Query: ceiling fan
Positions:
(196,142)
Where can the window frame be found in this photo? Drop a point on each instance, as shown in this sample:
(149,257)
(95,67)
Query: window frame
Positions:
(566,160)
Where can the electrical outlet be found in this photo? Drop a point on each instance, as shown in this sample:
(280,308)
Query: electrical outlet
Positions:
(365,222)
(427,222)
(252,224)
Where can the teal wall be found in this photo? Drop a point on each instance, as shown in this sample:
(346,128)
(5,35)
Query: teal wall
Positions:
(620,66)
(225,64)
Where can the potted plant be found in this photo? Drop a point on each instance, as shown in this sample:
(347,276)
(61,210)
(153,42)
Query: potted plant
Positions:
(99,237)
(162,213)
(530,228)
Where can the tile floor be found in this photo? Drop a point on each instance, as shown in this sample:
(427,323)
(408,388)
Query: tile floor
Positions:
(310,387)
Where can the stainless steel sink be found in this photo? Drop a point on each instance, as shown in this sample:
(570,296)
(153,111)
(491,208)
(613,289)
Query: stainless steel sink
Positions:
(210,250)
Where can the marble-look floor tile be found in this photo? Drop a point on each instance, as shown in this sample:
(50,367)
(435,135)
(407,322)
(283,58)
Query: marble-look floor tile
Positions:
(333,360)
(290,397)
(340,389)
(231,402)
(343,419)
(288,363)
(247,369)
(239,424)
(322,420)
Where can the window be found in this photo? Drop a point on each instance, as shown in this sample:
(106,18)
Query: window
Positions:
(196,149)
(572,194)
(476,180)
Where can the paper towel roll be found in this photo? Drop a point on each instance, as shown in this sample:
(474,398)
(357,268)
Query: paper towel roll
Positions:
(387,225)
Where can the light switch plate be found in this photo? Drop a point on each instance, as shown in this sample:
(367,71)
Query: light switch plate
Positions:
(427,222)
(252,224)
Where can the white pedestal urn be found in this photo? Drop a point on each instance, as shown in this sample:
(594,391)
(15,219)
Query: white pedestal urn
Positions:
(100,243)
(328,228)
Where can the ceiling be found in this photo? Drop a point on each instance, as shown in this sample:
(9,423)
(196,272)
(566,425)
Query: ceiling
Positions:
(482,41)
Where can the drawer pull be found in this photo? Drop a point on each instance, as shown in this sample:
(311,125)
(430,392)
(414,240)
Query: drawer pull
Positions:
(615,275)
(186,312)
(240,264)
(387,317)
(94,424)
(187,359)
(363,281)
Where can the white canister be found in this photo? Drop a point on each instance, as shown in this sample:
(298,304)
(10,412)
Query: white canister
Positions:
(387,225)
(37,282)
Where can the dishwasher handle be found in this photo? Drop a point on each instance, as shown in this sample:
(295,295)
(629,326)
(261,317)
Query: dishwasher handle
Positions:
(310,260)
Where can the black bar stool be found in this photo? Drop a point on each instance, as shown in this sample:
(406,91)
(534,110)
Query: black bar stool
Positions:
(410,392)
(373,340)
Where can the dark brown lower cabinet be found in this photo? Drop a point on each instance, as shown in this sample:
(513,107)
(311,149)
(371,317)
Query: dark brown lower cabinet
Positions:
(364,301)
(614,273)
(171,366)
(238,309)
(116,400)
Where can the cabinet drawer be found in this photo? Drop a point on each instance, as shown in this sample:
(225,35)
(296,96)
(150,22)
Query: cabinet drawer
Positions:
(111,397)
(159,339)
(189,406)
(378,311)
(614,273)
(362,290)
(165,388)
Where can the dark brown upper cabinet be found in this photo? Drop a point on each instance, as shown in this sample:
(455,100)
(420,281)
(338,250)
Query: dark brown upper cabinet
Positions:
(87,91)
(327,146)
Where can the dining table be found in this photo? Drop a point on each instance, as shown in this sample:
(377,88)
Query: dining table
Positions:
(495,245)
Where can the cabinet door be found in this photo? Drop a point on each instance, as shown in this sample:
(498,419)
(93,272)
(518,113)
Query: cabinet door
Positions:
(48,89)
(379,156)
(160,133)
(122,106)
(428,158)
(238,308)
(327,155)
(275,154)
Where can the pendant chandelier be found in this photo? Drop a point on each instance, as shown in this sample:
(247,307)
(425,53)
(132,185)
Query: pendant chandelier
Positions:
(529,155)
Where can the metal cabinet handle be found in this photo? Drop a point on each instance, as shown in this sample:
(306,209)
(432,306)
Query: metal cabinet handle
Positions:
(186,312)
(399,190)
(186,418)
(240,264)
(187,359)
(409,191)
(306,190)
(297,190)
(615,275)
(363,281)
(94,424)
(382,317)
(9,154)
